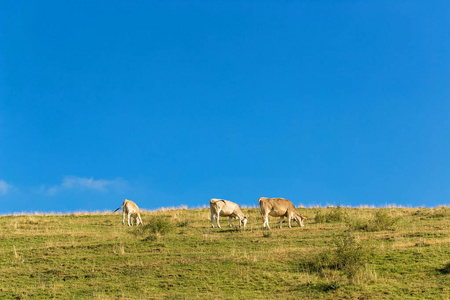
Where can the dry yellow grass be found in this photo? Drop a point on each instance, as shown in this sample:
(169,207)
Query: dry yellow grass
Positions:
(91,255)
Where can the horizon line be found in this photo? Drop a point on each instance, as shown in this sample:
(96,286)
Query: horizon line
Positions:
(185,207)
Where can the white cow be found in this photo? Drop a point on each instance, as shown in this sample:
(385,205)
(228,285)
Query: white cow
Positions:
(132,210)
(278,207)
(226,208)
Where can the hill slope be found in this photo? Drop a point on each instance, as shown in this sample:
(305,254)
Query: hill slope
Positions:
(363,253)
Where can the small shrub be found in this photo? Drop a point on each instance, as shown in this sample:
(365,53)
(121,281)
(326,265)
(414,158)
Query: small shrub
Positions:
(334,215)
(156,225)
(380,221)
(383,221)
(349,256)
(160,224)
(320,217)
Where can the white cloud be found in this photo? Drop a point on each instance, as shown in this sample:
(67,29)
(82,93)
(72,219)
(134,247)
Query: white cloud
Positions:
(81,183)
(4,187)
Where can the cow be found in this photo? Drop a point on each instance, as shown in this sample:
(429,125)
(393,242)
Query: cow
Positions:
(132,210)
(225,208)
(278,207)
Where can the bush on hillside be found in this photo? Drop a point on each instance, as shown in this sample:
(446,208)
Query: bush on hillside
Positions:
(335,214)
(381,221)
(155,226)
(348,255)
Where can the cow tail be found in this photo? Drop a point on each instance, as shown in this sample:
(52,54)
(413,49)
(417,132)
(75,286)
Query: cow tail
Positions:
(260,209)
(118,208)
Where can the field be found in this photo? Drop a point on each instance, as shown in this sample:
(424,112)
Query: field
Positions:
(341,253)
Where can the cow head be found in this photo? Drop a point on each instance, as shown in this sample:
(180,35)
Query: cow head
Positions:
(244,220)
(299,219)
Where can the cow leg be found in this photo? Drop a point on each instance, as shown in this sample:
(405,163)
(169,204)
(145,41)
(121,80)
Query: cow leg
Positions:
(289,221)
(123,218)
(231,224)
(281,221)
(266,221)
(212,220)
(217,219)
(129,216)
(140,220)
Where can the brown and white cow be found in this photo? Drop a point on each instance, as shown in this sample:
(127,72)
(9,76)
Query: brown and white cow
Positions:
(225,208)
(132,210)
(278,207)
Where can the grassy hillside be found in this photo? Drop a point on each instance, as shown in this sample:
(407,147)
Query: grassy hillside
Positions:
(351,253)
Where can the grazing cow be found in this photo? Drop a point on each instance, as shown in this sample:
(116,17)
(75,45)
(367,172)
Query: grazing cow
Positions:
(132,210)
(278,207)
(226,208)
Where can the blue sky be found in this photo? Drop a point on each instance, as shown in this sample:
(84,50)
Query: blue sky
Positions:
(171,103)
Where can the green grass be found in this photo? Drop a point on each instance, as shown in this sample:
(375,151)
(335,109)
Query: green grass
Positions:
(395,253)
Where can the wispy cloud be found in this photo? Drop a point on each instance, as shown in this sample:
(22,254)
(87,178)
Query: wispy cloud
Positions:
(82,183)
(4,187)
